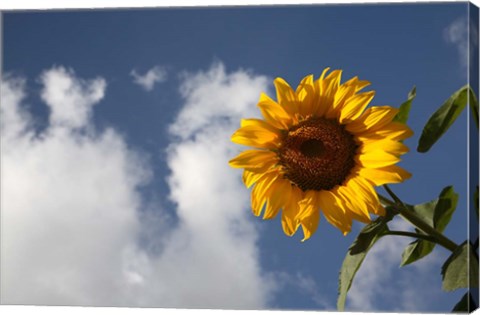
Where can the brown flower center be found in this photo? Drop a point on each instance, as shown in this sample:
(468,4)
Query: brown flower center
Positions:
(317,154)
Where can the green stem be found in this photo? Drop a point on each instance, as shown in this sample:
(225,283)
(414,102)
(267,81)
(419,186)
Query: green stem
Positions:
(414,235)
(412,217)
(395,197)
(385,200)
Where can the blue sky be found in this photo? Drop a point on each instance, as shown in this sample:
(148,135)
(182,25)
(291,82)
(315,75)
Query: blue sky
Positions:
(116,131)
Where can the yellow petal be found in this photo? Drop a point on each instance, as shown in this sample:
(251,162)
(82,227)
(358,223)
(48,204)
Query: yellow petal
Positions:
(286,96)
(364,190)
(344,92)
(307,204)
(273,113)
(254,122)
(304,88)
(374,118)
(355,202)
(357,84)
(385,175)
(305,96)
(310,224)
(319,108)
(256,133)
(376,159)
(278,196)
(324,73)
(329,89)
(393,131)
(333,81)
(387,145)
(249,178)
(355,106)
(289,222)
(259,192)
(333,209)
(254,160)
(309,213)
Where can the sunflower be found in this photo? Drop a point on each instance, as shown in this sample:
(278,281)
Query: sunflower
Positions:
(319,150)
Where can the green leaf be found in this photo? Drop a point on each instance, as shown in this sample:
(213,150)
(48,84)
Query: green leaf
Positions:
(356,254)
(446,205)
(415,251)
(461,269)
(404,110)
(466,304)
(442,119)
(437,213)
(474,105)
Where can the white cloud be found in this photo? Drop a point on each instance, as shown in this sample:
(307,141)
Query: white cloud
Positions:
(380,280)
(464,38)
(215,233)
(70,99)
(68,200)
(72,217)
(306,287)
(15,120)
(152,76)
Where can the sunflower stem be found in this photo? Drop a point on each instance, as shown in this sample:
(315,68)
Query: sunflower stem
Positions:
(410,216)
(394,197)
(414,235)
(385,200)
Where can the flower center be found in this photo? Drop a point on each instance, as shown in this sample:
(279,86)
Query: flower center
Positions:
(317,154)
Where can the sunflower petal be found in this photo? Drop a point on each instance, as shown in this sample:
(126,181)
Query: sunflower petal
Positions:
(372,119)
(333,209)
(278,197)
(286,96)
(260,190)
(249,178)
(305,96)
(258,160)
(385,175)
(309,213)
(387,145)
(344,92)
(273,113)
(319,108)
(355,202)
(393,131)
(357,84)
(304,87)
(307,204)
(365,191)
(254,122)
(330,87)
(310,224)
(256,133)
(333,81)
(355,106)
(376,159)
(289,222)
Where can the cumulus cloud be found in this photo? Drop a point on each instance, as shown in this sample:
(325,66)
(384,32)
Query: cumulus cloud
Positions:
(215,232)
(465,38)
(68,199)
(147,81)
(73,218)
(69,98)
(306,287)
(380,280)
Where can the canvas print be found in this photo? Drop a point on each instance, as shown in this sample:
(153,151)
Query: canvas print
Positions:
(285,157)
